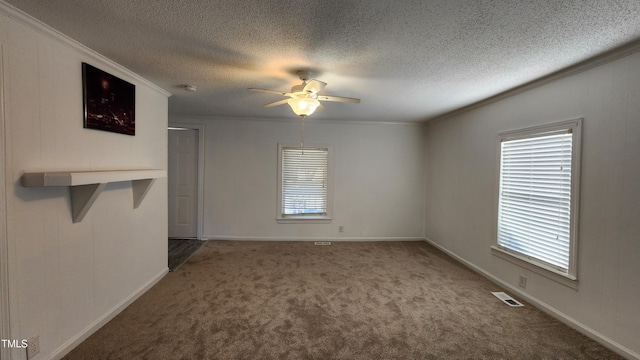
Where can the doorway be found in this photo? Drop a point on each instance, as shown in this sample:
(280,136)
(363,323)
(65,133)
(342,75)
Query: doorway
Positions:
(183,182)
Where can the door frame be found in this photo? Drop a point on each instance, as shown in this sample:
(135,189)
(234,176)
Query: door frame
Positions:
(199,169)
(5,314)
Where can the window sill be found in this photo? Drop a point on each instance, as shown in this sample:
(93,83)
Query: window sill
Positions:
(523,261)
(304,220)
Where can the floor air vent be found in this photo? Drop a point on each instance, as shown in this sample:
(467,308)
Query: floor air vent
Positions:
(506,299)
(323,243)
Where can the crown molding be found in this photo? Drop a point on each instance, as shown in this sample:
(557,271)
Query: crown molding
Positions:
(25,19)
(204,118)
(599,60)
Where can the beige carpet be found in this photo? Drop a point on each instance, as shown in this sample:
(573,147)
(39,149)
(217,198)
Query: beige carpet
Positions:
(294,300)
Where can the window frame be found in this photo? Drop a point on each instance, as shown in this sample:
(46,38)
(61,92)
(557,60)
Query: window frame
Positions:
(301,219)
(569,278)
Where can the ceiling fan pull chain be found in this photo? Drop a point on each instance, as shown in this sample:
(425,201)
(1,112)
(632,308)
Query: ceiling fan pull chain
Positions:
(302,134)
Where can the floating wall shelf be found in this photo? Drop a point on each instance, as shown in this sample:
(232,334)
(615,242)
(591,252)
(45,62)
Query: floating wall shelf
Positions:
(85,186)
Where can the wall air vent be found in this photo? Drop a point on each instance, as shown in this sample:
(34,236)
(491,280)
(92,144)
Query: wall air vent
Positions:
(322,243)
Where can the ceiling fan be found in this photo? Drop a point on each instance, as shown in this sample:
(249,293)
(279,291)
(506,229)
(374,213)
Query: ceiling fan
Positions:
(304,98)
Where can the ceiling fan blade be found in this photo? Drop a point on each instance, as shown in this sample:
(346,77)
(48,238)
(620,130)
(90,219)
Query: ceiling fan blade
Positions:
(338,99)
(270,91)
(314,86)
(276,103)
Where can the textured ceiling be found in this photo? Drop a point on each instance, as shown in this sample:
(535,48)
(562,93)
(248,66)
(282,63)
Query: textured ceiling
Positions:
(406,60)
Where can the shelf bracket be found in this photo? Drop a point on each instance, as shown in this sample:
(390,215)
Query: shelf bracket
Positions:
(82,197)
(85,186)
(140,188)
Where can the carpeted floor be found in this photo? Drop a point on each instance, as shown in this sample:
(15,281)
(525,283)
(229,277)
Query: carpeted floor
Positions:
(294,300)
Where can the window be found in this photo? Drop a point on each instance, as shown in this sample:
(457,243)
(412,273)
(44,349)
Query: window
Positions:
(304,184)
(538,196)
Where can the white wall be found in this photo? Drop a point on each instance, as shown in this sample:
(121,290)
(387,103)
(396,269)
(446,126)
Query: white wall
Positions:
(462,171)
(378,179)
(66,278)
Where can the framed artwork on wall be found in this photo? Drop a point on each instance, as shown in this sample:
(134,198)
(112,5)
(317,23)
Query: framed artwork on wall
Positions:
(109,102)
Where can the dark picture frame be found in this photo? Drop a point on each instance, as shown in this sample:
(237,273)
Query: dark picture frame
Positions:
(109,102)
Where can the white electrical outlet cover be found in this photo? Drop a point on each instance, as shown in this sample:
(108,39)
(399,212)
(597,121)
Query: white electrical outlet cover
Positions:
(33,347)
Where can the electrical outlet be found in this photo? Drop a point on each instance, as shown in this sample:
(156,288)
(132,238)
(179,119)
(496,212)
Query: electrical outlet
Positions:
(341,228)
(33,347)
(523,282)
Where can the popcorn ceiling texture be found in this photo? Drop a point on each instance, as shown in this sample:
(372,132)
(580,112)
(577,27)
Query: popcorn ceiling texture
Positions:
(407,61)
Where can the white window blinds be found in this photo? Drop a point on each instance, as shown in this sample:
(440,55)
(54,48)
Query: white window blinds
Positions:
(304,181)
(534,215)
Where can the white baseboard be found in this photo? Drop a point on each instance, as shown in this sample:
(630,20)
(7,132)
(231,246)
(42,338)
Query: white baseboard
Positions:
(298,238)
(65,348)
(555,313)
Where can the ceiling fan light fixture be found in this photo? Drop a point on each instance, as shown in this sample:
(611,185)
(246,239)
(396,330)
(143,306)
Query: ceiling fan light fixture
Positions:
(303,106)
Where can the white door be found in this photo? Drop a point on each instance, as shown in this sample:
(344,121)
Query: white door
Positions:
(183,183)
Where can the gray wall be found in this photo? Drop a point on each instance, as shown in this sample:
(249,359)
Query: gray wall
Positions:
(462,183)
(378,173)
(66,278)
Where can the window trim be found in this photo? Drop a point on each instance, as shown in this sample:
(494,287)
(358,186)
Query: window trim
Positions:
(306,219)
(570,278)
